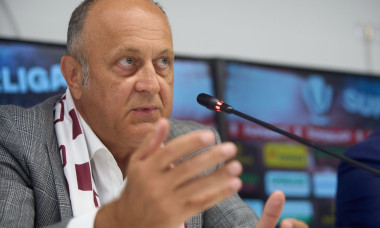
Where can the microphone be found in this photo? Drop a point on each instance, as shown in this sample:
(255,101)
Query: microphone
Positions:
(215,104)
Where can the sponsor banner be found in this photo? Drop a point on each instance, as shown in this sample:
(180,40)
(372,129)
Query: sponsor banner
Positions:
(245,130)
(246,154)
(324,184)
(249,154)
(292,183)
(333,109)
(298,209)
(322,135)
(251,183)
(285,155)
(322,159)
(337,136)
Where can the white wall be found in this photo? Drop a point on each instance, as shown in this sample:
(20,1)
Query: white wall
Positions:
(325,34)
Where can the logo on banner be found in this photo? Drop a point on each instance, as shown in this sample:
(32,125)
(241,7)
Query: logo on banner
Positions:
(36,80)
(292,183)
(324,184)
(298,209)
(284,155)
(362,103)
(318,97)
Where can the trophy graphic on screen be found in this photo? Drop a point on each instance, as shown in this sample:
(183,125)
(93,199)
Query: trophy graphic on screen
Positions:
(318,98)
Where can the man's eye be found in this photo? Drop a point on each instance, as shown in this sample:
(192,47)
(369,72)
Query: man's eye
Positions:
(163,62)
(127,62)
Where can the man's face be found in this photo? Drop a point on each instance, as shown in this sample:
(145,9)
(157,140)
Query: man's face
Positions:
(129,51)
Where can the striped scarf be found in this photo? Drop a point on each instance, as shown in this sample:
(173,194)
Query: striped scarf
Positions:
(75,156)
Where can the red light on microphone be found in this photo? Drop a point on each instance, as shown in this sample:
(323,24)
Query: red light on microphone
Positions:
(217,107)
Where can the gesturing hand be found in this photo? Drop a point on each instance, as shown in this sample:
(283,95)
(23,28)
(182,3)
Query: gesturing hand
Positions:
(272,211)
(158,195)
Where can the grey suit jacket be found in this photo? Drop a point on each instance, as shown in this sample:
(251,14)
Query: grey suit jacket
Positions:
(33,192)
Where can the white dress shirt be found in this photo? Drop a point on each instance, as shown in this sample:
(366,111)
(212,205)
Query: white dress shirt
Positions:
(106,173)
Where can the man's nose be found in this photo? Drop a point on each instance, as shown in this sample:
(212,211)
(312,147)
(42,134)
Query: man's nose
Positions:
(147,80)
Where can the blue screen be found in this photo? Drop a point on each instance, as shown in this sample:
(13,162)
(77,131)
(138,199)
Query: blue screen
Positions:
(29,72)
(335,110)
(192,77)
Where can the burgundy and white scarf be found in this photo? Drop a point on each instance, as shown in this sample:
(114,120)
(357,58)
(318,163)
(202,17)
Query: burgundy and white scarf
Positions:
(75,156)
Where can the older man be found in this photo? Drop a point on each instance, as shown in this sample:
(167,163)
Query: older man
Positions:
(104,152)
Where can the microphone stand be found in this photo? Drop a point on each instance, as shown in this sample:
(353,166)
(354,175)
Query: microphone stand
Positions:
(215,105)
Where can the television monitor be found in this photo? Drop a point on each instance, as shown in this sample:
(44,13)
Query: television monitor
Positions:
(192,76)
(29,71)
(333,109)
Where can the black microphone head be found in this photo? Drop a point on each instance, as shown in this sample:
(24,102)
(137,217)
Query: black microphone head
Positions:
(213,103)
(207,101)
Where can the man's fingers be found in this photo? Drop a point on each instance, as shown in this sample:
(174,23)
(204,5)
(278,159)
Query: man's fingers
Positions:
(154,140)
(272,210)
(203,162)
(184,145)
(206,191)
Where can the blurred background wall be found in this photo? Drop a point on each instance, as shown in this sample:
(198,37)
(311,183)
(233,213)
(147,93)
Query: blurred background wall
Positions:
(333,35)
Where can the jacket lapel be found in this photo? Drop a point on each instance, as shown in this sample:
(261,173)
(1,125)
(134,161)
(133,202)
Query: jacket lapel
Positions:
(53,151)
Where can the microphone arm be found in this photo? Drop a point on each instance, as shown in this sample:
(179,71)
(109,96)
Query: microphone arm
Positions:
(214,104)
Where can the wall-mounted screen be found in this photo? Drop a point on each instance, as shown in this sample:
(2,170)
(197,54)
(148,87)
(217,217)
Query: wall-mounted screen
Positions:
(191,77)
(333,109)
(29,72)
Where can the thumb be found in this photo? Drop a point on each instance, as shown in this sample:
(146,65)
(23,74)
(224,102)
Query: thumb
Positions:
(154,139)
(272,210)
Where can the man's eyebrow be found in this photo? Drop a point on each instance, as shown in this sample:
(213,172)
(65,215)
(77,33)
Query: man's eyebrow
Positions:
(167,52)
(123,50)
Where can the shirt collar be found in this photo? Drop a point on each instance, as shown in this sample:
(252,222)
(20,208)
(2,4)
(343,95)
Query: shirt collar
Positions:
(93,142)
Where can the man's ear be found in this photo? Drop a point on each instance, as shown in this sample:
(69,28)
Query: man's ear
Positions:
(72,72)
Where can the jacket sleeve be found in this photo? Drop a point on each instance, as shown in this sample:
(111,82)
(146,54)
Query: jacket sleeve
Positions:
(28,197)
(232,212)
(16,194)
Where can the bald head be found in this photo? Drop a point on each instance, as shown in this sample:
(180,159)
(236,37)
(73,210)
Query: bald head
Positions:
(75,39)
